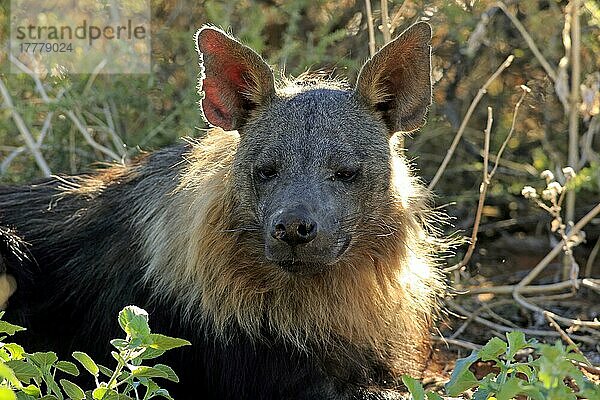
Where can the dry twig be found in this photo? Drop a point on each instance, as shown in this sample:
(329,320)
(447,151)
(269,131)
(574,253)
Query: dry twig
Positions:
(370,27)
(480,93)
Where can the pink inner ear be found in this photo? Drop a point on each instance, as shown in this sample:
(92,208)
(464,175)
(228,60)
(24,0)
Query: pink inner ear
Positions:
(224,83)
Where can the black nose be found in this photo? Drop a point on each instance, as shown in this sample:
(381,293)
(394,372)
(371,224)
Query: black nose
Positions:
(294,228)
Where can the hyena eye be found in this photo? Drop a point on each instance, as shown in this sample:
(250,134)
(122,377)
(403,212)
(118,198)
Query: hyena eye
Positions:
(345,175)
(266,173)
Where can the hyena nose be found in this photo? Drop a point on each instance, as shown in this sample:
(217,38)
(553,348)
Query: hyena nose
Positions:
(294,228)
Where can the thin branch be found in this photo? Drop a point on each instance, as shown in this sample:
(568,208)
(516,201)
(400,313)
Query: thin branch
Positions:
(533,289)
(557,249)
(482,193)
(538,54)
(25,133)
(385,22)
(480,93)
(370,27)
(590,261)
(567,321)
(526,90)
(573,152)
(504,328)
(38,83)
(564,336)
(456,342)
(88,138)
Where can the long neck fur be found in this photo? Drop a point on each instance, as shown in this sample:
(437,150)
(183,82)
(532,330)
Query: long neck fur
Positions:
(381,293)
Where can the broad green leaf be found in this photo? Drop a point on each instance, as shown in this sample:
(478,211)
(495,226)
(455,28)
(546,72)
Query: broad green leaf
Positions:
(104,393)
(516,342)
(414,387)
(151,353)
(461,378)
(32,390)
(7,394)
(72,390)
(134,321)
(433,396)
(10,329)
(481,394)
(24,371)
(4,355)
(87,362)
(147,372)
(171,375)
(68,367)
(163,393)
(105,371)
(52,385)
(23,396)
(151,387)
(509,389)
(163,342)
(492,349)
(525,369)
(120,344)
(16,351)
(43,359)
(49,397)
(7,373)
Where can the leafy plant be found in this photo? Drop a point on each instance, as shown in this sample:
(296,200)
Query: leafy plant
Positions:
(549,376)
(26,376)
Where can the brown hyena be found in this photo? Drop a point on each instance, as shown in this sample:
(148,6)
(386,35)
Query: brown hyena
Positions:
(289,244)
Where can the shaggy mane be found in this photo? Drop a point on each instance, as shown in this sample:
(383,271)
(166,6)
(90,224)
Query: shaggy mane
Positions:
(383,290)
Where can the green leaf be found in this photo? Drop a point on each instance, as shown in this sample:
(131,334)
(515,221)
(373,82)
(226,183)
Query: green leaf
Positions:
(151,353)
(87,362)
(100,393)
(52,385)
(32,390)
(433,396)
(68,367)
(147,372)
(414,387)
(134,321)
(105,371)
(151,386)
(171,375)
(164,393)
(492,349)
(119,344)
(7,373)
(516,342)
(7,394)
(163,342)
(525,369)
(461,378)
(481,394)
(10,329)
(43,359)
(72,390)
(24,371)
(509,389)
(16,351)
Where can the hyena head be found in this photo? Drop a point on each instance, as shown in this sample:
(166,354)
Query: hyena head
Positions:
(313,169)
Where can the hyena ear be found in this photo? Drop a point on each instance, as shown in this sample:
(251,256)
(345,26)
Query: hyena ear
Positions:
(396,81)
(235,79)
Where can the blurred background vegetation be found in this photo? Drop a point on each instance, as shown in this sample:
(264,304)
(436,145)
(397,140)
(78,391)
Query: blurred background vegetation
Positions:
(471,39)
